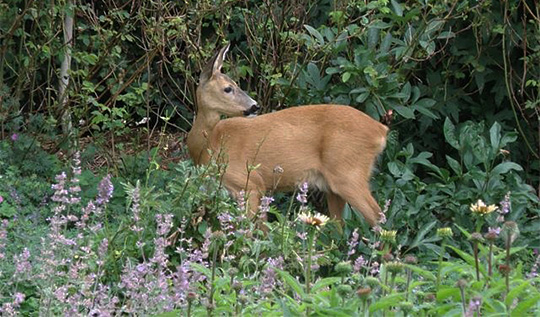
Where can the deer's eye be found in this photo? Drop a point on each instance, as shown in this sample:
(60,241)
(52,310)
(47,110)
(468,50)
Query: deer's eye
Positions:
(228,89)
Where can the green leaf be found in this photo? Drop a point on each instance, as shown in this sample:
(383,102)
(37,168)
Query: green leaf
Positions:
(495,137)
(345,77)
(284,307)
(385,302)
(446,35)
(454,165)
(450,133)
(398,10)
(378,24)
(523,307)
(426,274)
(505,167)
(427,112)
(516,290)
(406,92)
(434,26)
(292,282)
(405,112)
(425,103)
(446,292)
(201,269)
(469,259)
(421,234)
(325,282)
(373,37)
(315,34)
(362,97)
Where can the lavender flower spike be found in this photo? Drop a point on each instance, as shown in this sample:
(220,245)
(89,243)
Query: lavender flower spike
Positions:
(105,190)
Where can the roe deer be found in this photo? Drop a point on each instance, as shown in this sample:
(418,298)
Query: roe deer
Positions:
(333,147)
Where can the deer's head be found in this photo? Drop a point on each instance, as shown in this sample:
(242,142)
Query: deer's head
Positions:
(218,93)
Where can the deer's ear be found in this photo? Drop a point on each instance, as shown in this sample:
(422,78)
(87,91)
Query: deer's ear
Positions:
(213,66)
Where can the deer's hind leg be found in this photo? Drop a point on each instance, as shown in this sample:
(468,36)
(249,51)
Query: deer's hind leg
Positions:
(353,187)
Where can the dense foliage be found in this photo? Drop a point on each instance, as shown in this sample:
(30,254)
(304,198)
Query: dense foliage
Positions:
(131,221)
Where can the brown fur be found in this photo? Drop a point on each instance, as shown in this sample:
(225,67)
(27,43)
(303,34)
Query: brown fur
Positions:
(333,147)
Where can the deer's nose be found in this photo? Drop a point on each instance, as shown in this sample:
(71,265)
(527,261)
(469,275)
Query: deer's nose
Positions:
(252,110)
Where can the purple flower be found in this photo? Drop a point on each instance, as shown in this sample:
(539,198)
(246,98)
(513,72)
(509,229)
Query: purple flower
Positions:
(315,262)
(22,263)
(225,222)
(268,281)
(382,215)
(505,207)
(74,188)
(474,306)
(102,250)
(241,200)
(135,206)
(9,309)
(1,199)
(164,223)
(105,190)
(353,242)
(60,193)
(534,268)
(302,195)
(377,229)
(265,205)
(3,237)
(302,235)
(18,298)
(374,268)
(359,263)
(14,137)
(494,231)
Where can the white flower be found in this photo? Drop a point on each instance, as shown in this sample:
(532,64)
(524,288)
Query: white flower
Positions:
(318,220)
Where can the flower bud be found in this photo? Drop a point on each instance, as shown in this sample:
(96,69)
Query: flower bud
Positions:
(363,292)
(343,268)
(388,236)
(461,283)
(394,267)
(372,281)
(476,237)
(445,232)
(387,257)
(344,290)
(410,259)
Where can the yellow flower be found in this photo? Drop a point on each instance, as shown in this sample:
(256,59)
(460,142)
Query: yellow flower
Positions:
(445,232)
(482,209)
(318,220)
(388,235)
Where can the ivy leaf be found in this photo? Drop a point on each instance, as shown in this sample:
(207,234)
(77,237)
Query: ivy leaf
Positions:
(398,10)
(450,133)
(316,34)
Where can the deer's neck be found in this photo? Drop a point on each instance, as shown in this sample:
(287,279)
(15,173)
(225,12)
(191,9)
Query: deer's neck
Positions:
(198,137)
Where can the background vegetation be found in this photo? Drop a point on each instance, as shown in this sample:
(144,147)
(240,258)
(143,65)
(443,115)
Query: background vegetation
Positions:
(458,82)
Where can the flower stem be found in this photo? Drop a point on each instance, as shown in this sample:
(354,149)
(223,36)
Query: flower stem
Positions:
(439,269)
(212,279)
(490,259)
(463,304)
(475,250)
(507,275)
(409,276)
